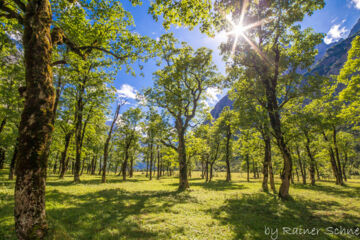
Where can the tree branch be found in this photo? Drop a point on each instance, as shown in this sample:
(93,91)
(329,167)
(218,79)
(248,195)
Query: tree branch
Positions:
(169,145)
(63,61)
(11,13)
(20,4)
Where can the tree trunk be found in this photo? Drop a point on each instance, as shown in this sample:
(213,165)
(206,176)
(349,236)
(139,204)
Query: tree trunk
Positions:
(202,170)
(302,167)
(2,125)
(131,172)
(147,164)
(64,153)
(297,174)
(340,175)
(274,115)
(158,163)
(267,160)
(83,165)
(312,161)
(93,166)
(35,127)
(106,147)
(254,169)
(344,165)
(151,160)
(207,170)
(317,171)
(183,173)
(247,167)
(12,163)
(211,171)
(55,165)
(272,182)
(124,165)
(227,155)
(2,157)
(333,161)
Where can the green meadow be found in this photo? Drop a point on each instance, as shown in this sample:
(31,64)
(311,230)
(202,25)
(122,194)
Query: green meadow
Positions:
(144,209)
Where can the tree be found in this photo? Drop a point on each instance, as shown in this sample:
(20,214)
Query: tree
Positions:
(350,77)
(40,37)
(227,126)
(128,134)
(276,50)
(106,146)
(178,88)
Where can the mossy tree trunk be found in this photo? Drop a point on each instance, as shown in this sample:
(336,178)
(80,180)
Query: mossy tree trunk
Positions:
(36,123)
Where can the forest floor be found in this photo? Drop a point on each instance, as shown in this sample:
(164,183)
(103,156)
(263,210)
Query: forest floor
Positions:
(143,209)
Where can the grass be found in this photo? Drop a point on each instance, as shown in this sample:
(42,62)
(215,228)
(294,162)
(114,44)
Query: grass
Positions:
(143,209)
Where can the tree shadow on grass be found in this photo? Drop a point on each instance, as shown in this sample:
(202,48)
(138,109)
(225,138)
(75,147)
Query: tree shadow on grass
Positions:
(249,214)
(65,182)
(110,214)
(345,191)
(218,185)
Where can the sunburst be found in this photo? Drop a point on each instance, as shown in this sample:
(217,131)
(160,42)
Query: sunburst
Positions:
(239,29)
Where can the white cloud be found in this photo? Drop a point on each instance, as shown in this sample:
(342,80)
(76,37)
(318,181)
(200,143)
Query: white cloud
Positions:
(356,3)
(127,91)
(336,32)
(213,95)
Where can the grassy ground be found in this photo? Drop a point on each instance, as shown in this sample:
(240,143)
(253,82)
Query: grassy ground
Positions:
(143,209)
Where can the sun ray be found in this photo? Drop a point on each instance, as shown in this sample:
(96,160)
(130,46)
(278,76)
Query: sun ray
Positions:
(240,30)
(257,50)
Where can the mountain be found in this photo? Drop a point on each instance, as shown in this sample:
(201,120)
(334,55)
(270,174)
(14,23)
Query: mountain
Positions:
(355,29)
(329,61)
(224,102)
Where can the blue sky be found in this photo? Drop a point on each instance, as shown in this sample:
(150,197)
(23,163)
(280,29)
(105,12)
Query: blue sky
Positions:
(336,20)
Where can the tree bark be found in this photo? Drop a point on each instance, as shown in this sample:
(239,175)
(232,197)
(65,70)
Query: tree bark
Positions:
(36,123)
